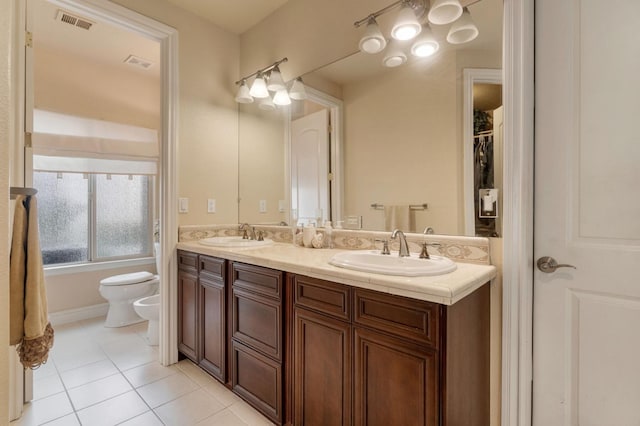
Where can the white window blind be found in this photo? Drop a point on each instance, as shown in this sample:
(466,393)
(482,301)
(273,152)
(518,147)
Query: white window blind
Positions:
(65,143)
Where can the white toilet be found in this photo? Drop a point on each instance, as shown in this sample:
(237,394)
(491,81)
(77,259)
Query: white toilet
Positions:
(149,309)
(121,291)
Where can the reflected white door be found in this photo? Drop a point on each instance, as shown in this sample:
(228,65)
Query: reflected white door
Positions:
(586,337)
(310,167)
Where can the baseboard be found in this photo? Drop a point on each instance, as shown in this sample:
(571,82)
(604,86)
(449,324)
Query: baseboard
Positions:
(78,314)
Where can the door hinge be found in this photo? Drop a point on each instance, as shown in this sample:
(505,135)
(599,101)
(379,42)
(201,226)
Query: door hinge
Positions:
(330,176)
(27,140)
(28,39)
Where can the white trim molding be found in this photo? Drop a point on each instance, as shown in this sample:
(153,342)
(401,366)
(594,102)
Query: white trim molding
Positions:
(78,314)
(471,76)
(517,302)
(122,17)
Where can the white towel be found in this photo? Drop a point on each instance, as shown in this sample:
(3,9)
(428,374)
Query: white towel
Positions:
(397,217)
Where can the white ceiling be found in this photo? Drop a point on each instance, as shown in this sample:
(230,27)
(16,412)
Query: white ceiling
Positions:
(235,16)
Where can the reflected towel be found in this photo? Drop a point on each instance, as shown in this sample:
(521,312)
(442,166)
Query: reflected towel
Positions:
(397,217)
(29,325)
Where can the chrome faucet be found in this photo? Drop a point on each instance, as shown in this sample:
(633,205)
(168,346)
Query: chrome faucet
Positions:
(404,247)
(246,228)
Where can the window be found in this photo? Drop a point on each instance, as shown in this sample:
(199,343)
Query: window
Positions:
(93,217)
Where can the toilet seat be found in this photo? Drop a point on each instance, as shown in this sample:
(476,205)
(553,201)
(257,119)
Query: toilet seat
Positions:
(131,278)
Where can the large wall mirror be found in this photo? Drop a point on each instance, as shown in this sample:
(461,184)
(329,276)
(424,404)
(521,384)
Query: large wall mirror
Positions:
(401,142)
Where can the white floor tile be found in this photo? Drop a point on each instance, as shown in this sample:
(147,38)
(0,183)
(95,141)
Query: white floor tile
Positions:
(47,386)
(195,373)
(189,409)
(147,419)
(221,393)
(45,370)
(249,415)
(148,373)
(98,391)
(77,354)
(46,409)
(134,357)
(167,389)
(225,417)
(68,420)
(88,373)
(113,411)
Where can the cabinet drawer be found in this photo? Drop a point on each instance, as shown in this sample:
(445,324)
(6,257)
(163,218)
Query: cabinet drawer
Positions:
(322,296)
(412,319)
(187,261)
(211,266)
(257,322)
(265,281)
(257,379)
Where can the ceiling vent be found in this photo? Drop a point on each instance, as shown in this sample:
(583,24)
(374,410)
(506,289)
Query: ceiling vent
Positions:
(74,20)
(139,62)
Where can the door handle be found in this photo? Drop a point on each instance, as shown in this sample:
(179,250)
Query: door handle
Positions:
(548,264)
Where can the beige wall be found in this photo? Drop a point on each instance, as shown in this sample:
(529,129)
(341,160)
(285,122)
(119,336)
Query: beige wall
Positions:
(6,116)
(74,85)
(208,120)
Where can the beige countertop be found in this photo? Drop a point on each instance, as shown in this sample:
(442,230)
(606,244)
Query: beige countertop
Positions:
(445,289)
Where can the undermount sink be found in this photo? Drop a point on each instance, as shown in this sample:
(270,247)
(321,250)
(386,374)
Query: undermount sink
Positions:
(234,242)
(392,264)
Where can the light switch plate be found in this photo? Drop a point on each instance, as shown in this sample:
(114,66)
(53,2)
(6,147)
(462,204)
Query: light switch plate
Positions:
(183,205)
(211,205)
(263,206)
(353,222)
(281,206)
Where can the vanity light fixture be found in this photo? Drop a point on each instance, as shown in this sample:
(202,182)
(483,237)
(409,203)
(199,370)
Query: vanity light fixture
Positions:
(269,80)
(406,26)
(282,98)
(243,96)
(412,21)
(259,87)
(425,45)
(275,82)
(372,41)
(443,12)
(463,30)
(297,91)
(394,56)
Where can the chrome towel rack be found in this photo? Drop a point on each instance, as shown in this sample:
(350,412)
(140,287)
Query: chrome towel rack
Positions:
(378,206)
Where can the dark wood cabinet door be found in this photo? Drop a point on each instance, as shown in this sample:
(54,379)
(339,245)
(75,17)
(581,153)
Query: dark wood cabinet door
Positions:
(212,337)
(395,381)
(322,370)
(258,380)
(188,314)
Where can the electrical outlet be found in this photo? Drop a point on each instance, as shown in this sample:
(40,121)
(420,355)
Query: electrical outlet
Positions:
(263,206)
(211,205)
(281,206)
(353,222)
(183,205)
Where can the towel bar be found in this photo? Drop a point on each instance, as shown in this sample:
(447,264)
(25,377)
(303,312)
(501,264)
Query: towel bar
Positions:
(378,206)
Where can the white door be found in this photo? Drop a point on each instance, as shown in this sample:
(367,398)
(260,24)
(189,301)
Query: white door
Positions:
(586,337)
(310,167)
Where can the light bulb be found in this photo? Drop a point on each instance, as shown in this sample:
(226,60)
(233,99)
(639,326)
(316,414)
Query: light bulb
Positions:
(267,104)
(394,57)
(259,87)
(372,41)
(407,25)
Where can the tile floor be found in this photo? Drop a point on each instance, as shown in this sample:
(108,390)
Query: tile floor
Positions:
(110,376)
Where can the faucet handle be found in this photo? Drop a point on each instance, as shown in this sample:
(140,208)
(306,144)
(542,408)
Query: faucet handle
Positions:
(260,236)
(424,254)
(245,235)
(385,246)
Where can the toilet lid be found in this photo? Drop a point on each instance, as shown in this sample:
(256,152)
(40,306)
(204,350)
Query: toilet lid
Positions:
(132,278)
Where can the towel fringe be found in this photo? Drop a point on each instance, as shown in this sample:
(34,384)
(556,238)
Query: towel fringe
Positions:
(35,352)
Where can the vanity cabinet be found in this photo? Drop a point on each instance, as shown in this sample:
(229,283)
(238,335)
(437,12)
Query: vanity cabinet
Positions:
(322,352)
(188,305)
(363,357)
(257,338)
(202,311)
